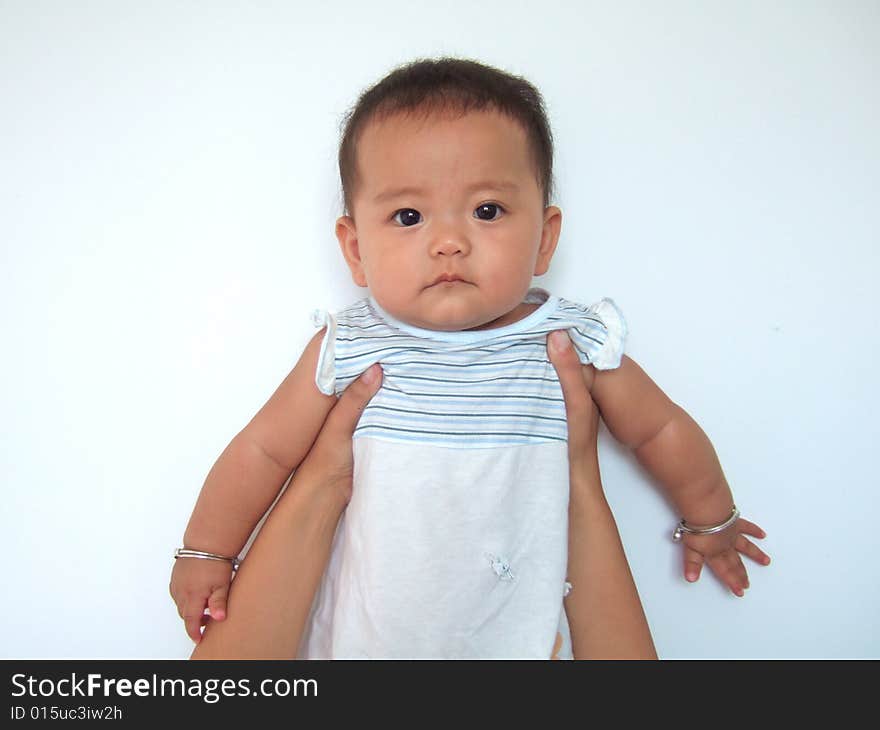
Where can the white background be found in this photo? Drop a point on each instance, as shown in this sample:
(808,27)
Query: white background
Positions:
(167,197)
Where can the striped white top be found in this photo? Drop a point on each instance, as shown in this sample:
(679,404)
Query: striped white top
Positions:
(472,389)
(440,554)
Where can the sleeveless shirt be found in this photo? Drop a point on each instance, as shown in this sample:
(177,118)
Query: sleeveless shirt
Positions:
(454,543)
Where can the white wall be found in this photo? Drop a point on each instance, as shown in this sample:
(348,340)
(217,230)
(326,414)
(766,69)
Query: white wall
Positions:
(167,197)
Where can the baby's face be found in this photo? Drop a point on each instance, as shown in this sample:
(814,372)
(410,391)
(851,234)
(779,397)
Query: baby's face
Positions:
(448,196)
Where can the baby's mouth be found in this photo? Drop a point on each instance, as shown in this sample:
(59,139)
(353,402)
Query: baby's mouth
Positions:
(448,280)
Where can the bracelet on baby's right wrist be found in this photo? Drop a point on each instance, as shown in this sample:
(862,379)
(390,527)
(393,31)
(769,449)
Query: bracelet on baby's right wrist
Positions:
(202,555)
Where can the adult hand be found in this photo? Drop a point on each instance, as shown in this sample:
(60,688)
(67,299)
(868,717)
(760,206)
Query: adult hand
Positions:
(330,462)
(582,416)
(604,612)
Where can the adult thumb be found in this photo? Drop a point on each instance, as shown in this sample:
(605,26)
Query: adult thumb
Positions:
(345,415)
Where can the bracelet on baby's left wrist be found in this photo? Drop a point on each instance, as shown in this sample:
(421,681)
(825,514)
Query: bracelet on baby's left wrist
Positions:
(684,527)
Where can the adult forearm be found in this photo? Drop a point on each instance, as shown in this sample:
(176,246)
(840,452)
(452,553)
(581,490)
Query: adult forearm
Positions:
(237,492)
(681,457)
(604,611)
(272,594)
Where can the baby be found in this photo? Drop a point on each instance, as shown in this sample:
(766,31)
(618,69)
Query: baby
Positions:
(454,543)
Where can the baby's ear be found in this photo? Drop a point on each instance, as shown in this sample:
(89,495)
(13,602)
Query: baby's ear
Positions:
(346,233)
(549,238)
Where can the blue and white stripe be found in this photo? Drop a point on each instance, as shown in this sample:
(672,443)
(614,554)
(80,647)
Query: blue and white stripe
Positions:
(473,389)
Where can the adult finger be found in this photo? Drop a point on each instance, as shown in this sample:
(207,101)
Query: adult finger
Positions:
(343,417)
(581,412)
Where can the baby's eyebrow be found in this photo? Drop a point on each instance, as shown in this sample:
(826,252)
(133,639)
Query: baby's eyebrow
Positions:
(503,185)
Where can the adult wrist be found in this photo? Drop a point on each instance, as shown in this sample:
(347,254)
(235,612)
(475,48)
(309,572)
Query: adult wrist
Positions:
(322,492)
(584,491)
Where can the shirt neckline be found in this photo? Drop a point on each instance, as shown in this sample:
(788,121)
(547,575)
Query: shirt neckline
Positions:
(535,294)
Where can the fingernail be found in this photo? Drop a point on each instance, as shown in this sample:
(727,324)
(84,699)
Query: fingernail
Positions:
(559,341)
(371,374)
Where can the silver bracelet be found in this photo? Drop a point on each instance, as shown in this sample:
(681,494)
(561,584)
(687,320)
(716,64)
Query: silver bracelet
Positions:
(187,553)
(708,530)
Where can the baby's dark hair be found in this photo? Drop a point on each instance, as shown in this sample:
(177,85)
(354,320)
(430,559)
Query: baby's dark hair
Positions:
(449,86)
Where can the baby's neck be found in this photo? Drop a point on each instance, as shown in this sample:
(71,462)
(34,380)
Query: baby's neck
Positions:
(519,312)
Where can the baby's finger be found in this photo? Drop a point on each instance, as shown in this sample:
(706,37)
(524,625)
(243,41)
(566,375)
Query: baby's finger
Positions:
(749,528)
(192,619)
(728,566)
(217,603)
(345,415)
(580,410)
(746,547)
(693,564)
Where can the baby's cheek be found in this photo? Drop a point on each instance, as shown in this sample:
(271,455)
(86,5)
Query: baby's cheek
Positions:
(508,282)
(391,298)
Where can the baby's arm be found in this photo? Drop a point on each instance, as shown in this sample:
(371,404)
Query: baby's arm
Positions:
(679,455)
(245,480)
(665,440)
(257,462)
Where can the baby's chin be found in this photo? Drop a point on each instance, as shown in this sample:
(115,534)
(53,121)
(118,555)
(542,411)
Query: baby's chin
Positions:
(450,309)
(444,325)
(457,319)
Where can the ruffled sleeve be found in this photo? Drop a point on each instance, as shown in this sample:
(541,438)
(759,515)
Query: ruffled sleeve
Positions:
(598,332)
(325,372)
(608,356)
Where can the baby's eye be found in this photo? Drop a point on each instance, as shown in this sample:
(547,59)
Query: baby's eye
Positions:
(409,217)
(486,211)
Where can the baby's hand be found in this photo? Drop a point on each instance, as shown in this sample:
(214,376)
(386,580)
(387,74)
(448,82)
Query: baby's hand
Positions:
(721,551)
(196,583)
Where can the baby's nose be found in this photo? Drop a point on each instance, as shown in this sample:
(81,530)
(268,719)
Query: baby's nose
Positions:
(450,240)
